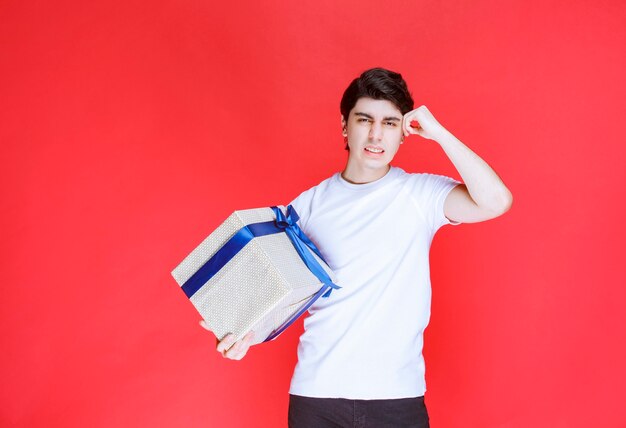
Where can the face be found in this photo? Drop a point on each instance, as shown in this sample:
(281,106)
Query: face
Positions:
(374,131)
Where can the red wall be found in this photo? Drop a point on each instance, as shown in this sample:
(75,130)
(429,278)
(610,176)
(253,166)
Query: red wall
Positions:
(130,129)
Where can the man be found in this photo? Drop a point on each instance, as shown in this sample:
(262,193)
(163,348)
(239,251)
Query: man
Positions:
(360,358)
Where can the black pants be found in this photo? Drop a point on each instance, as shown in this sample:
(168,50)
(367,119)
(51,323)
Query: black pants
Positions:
(307,412)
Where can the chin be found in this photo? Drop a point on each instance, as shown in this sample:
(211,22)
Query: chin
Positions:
(376,164)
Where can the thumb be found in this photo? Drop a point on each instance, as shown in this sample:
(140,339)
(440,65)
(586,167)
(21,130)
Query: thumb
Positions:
(204,325)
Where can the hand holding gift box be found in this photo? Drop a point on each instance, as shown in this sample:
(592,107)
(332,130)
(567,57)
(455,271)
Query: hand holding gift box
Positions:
(229,348)
(257,272)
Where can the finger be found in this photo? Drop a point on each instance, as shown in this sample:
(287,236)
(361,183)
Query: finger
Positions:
(248,338)
(407,124)
(240,349)
(225,343)
(204,325)
(415,125)
(235,356)
(237,351)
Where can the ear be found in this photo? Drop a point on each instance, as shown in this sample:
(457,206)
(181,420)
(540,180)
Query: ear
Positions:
(344,127)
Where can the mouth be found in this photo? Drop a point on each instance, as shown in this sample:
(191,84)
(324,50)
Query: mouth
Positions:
(374,150)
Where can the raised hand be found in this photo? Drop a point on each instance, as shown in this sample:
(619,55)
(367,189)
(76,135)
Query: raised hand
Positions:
(422,122)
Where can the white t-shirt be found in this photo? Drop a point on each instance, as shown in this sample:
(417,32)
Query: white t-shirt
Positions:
(365,340)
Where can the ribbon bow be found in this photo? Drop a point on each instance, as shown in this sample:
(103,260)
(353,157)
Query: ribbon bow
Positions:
(299,240)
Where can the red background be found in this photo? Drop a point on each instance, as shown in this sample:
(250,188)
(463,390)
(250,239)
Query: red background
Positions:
(130,129)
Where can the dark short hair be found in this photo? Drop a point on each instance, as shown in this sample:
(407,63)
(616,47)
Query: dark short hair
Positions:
(378,84)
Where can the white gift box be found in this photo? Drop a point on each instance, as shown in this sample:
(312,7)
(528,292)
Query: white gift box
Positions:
(240,281)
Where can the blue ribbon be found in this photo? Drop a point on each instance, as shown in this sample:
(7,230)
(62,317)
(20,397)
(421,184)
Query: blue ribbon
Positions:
(302,244)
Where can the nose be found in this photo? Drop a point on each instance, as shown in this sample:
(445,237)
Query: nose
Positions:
(376,131)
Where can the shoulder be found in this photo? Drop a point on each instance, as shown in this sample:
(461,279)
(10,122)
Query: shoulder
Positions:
(302,203)
(321,187)
(423,181)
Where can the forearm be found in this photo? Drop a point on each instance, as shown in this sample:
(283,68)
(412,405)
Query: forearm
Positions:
(483,184)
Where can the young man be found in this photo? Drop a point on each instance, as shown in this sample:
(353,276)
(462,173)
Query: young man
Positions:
(360,358)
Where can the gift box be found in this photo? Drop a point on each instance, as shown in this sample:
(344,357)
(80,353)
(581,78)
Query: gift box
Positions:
(256,272)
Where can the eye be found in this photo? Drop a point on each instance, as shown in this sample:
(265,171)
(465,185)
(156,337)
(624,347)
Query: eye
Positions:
(363,119)
(390,123)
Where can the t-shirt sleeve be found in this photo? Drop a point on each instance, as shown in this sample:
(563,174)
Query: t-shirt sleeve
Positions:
(430,192)
(302,205)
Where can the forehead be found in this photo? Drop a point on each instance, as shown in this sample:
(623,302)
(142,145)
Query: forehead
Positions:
(376,108)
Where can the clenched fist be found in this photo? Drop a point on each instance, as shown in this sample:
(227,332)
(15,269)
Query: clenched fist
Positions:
(427,126)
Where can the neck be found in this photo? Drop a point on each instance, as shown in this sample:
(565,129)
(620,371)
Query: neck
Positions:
(356,175)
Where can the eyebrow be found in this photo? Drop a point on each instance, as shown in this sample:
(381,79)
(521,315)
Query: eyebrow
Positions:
(388,118)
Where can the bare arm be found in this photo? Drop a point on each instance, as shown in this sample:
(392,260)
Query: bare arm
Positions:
(483,196)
